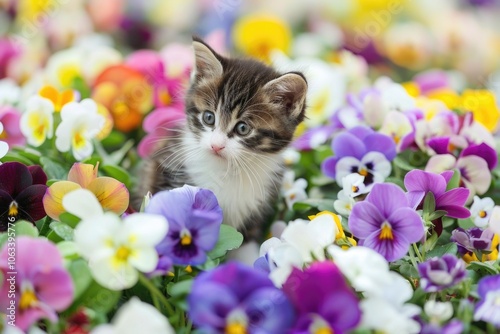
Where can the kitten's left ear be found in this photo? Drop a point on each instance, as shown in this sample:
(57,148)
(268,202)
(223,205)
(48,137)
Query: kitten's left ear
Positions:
(289,90)
(207,61)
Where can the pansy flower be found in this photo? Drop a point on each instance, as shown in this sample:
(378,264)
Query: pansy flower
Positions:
(43,286)
(58,98)
(440,273)
(4,147)
(21,191)
(194,217)
(401,128)
(481,210)
(363,151)
(37,122)
(489,293)
(111,194)
(12,135)
(473,241)
(385,222)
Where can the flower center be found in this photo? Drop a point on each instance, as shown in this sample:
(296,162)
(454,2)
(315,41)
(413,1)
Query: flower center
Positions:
(186,238)
(235,328)
(482,213)
(165,97)
(120,108)
(363,172)
(324,330)
(3,134)
(386,231)
(396,138)
(13,209)
(236,322)
(28,299)
(355,189)
(122,254)
(320,326)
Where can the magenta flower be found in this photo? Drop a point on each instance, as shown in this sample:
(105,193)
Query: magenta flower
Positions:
(418,183)
(386,222)
(324,301)
(42,285)
(194,218)
(21,192)
(10,119)
(235,298)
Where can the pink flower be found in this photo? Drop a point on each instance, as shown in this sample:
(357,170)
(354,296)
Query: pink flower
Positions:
(10,119)
(41,283)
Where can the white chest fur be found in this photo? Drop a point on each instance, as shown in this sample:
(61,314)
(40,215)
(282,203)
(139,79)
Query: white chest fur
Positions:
(242,187)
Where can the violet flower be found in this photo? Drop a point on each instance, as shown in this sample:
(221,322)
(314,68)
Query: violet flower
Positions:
(21,192)
(360,150)
(385,222)
(235,298)
(42,284)
(488,307)
(441,273)
(194,218)
(455,326)
(324,301)
(419,183)
(472,240)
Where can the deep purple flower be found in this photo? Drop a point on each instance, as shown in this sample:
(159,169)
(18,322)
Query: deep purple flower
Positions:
(488,308)
(360,150)
(323,299)
(441,273)
(21,192)
(385,222)
(472,240)
(194,217)
(235,298)
(419,183)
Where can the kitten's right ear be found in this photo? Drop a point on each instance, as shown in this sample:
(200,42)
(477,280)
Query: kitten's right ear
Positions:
(207,62)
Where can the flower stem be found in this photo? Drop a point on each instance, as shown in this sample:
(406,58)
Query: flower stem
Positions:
(412,258)
(417,252)
(155,293)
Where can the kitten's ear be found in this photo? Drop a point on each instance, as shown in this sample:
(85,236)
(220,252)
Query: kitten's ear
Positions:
(207,62)
(289,90)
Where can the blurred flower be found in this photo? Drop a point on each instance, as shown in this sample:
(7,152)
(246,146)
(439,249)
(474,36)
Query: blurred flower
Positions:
(42,284)
(293,190)
(399,127)
(21,191)
(111,194)
(194,216)
(58,99)
(418,183)
(37,121)
(4,147)
(130,320)
(385,222)
(115,249)
(11,118)
(380,315)
(258,35)
(473,241)
(483,105)
(290,156)
(64,67)
(438,312)
(234,298)
(126,93)
(159,124)
(178,59)
(315,293)
(360,150)
(10,92)
(80,123)
(489,291)
(481,210)
(344,203)
(440,273)
(106,16)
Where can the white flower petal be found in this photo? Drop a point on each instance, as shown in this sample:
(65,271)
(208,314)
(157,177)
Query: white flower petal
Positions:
(4,148)
(344,167)
(83,204)
(114,277)
(146,229)
(94,234)
(144,259)
(268,244)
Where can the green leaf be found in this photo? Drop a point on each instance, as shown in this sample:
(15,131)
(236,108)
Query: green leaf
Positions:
(69,219)
(229,239)
(466,223)
(97,298)
(408,270)
(118,173)
(437,214)
(31,154)
(68,250)
(439,251)
(80,273)
(13,156)
(53,169)
(17,229)
(396,181)
(429,203)
(454,181)
(62,230)
(319,203)
(403,164)
(430,242)
(180,289)
(483,268)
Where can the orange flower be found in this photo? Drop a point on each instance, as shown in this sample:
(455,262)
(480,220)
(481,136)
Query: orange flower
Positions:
(59,99)
(126,93)
(112,194)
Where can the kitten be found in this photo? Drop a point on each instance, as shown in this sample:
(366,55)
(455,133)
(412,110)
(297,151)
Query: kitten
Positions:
(241,114)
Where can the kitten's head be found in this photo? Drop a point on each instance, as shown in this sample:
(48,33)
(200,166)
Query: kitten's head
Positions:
(236,106)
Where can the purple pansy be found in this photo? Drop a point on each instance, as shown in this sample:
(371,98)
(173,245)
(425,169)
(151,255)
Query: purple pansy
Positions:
(21,192)
(194,217)
(441,273)
(385,222)
(418,183)
(472,240)
(455,326)
(324,301)
(42,285)
(360,150)
(488,307)
(235,298)
(314,137)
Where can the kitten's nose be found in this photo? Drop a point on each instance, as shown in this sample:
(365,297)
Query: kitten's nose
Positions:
(217,148)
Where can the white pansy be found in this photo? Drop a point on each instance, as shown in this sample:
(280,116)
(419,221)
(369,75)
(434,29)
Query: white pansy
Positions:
(37,121)
(380,315)
(353,185)
(344,203)
(372,164)
(4,147)
(116,249)
(481,210)
(10,92)
(63,67)
(282,259)
(494,223)
(438,312)
(136,317)
(293,190)
(80,123)
(396,125)
(291,156)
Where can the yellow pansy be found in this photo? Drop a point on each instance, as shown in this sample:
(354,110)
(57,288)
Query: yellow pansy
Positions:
(340,234)
(482,103)
(258,35)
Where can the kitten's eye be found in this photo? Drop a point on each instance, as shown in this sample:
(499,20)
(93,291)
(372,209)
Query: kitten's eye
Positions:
(242,128)
(208,117)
